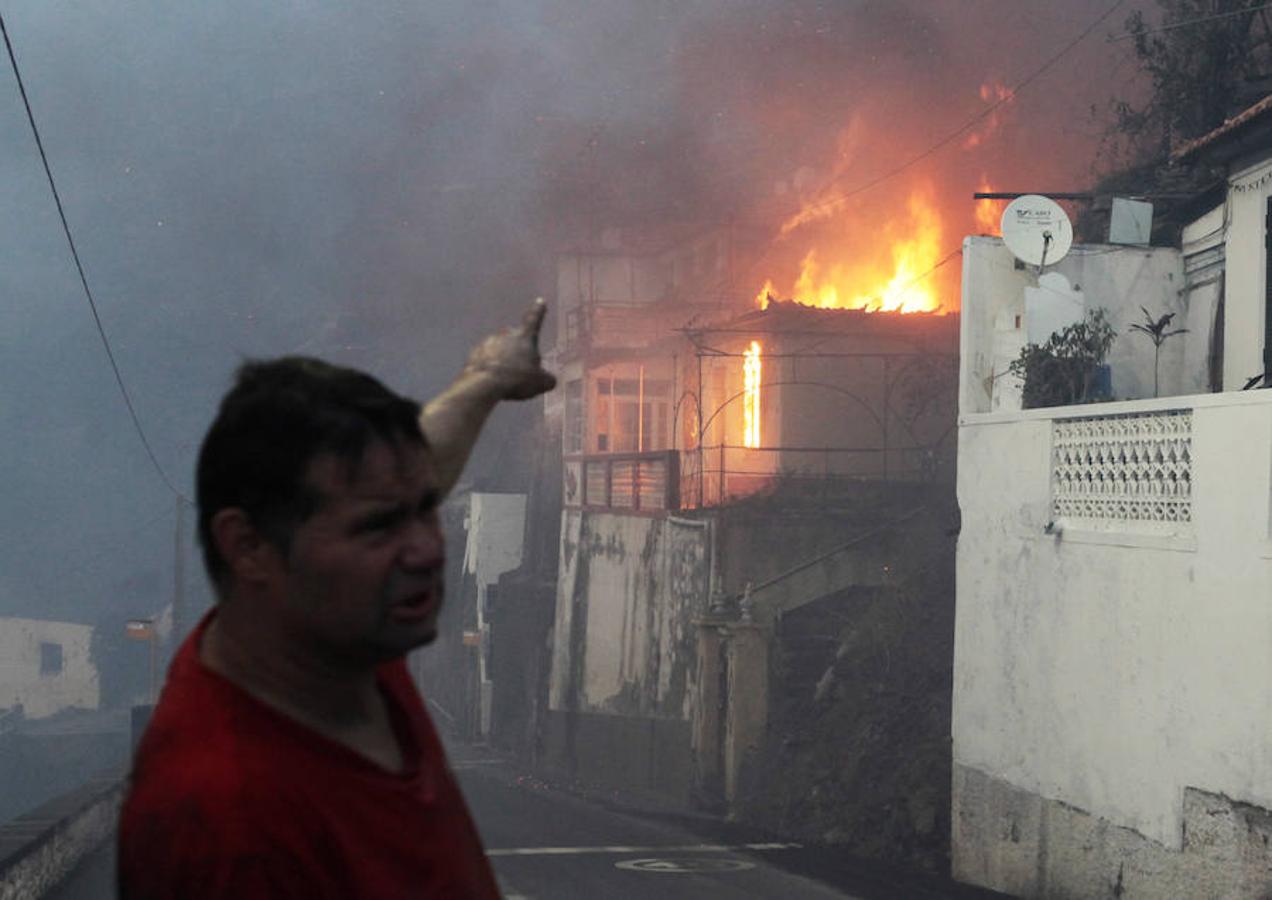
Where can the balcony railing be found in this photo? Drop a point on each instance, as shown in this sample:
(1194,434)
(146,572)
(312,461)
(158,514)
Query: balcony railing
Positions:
(623,482)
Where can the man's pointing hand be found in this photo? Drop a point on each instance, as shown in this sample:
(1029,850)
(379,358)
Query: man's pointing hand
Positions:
(510,358)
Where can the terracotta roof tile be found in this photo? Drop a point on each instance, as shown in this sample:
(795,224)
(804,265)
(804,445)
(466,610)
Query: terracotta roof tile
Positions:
(1230,125)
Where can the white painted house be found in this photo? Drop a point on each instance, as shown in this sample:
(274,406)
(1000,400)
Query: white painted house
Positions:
(496,534)
(46,667)
(1112,713)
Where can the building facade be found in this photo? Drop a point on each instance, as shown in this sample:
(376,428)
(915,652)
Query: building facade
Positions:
(1111,732)
(46,667)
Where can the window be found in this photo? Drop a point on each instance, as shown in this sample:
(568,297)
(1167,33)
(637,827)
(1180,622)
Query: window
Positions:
(50,658)
(604,389)
(574,417)
(621,423)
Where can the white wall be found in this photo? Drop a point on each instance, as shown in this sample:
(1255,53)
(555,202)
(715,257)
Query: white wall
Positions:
(629,589)
(1110,670)
(1203,246)
(43,695)
(1118,279)
(561,686)
(1246,274)
(496,528)
(496,535)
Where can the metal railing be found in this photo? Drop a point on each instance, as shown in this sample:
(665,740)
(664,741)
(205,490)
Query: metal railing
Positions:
(710,476)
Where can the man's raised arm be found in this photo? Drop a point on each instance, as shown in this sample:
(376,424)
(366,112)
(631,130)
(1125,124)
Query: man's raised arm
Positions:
(504,366)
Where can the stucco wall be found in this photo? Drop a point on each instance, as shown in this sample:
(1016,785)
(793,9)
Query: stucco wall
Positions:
(628,590)
(1246,274)
(1119,280)
(21,681)
(1109,670)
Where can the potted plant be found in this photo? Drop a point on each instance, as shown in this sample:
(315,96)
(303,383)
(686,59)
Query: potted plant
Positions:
(1069,367)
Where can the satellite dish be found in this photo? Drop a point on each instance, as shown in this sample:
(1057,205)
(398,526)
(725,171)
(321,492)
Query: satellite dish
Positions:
(1036,230)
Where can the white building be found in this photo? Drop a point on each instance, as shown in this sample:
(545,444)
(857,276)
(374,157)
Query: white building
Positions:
(1112,717)
(46,667)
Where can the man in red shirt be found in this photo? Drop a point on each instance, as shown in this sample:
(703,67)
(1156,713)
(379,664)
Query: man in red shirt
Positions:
(289,755)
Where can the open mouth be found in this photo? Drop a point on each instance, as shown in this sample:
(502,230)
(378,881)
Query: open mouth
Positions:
(420,605)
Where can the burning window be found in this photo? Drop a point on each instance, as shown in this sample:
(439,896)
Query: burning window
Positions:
(752,370)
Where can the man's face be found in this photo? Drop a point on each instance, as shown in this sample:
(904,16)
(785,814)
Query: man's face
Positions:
(363,578)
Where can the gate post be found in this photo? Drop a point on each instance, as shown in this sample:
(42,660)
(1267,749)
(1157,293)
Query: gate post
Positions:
(747,722)
(708,702)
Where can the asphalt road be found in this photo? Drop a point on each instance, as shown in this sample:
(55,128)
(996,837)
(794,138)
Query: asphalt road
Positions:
(550,844)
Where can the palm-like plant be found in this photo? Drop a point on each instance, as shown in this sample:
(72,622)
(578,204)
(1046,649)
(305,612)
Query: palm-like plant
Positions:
(1156,330)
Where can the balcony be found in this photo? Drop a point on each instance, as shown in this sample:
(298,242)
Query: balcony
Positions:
(645,483)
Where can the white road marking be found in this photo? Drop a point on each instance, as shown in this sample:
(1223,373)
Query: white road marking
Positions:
(678,866)
(689,848)
(508,892)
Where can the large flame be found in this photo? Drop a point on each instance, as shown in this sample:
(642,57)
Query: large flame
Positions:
(751,375)
(897,283)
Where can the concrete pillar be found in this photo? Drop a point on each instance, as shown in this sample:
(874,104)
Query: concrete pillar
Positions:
(747,720)
(707,720)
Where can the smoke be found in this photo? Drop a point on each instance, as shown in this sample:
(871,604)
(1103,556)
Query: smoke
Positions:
(382,183)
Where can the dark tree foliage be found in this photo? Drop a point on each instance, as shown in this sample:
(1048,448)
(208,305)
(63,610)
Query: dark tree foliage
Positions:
(1201,62)
(1204,61)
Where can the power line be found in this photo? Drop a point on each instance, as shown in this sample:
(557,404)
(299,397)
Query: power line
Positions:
(1126,35)
(92,305)
(986,112)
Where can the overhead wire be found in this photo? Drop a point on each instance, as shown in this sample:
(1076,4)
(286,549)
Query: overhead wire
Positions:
(983,114)
(79,267)
(1114,38)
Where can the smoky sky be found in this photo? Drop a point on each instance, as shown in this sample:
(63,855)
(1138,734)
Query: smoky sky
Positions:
(380,183)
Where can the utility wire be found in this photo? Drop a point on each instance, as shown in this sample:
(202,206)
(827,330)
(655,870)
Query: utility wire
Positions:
(1126,35)
(984,113)
(92,305)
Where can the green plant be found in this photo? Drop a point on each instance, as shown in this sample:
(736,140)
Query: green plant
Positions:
(1063,370)
(1156,330)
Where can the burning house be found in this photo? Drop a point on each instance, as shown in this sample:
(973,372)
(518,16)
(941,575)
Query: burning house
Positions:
(729,464)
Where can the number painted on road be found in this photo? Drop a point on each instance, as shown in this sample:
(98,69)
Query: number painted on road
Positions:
(686,864)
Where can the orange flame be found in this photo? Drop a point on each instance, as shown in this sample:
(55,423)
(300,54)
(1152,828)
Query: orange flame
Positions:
(999,96)
(988,215)
(766,293)
(899,287)
(751,374)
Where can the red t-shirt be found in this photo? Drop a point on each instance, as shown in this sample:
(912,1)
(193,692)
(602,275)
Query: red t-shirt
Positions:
(231,799)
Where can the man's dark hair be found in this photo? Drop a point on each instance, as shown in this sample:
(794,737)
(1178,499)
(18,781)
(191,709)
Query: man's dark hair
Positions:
(276,418)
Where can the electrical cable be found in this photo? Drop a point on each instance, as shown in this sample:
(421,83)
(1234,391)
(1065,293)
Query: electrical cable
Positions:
(987,111)
(1114,38)
(92,305)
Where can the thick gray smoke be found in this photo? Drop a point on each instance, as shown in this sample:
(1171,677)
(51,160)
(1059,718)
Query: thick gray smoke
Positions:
(382,182)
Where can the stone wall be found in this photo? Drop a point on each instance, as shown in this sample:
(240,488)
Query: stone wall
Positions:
(38,850)
(1027,845)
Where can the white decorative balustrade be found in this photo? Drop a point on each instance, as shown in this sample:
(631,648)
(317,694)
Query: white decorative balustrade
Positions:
(1128,472)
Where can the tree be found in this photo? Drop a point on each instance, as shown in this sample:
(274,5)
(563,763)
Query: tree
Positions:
(1157,333)
(1201,58)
